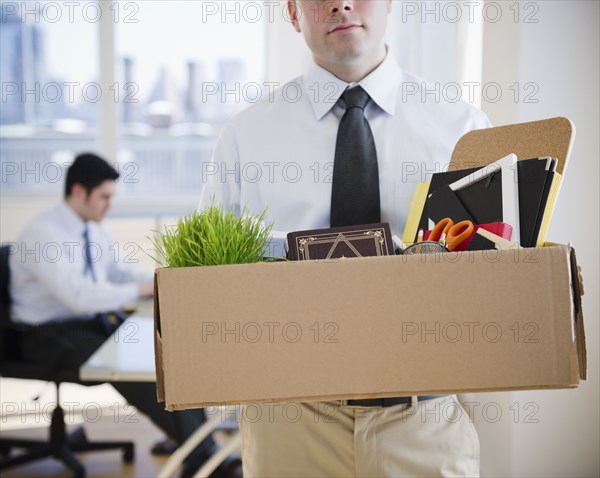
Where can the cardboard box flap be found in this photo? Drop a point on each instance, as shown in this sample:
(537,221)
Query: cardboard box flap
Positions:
(158,349)
(577,281)
(549,137)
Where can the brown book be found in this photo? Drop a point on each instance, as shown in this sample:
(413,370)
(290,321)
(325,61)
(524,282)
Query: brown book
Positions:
(336,242)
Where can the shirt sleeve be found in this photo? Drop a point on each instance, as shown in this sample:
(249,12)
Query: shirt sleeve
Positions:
(481,120)
(123,271)
(61,275)
(221,183)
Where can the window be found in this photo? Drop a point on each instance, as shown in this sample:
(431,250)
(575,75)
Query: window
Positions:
(184,68)
(181,69)
(50,92)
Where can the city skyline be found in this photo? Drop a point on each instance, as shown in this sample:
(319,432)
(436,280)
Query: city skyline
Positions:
(152,60)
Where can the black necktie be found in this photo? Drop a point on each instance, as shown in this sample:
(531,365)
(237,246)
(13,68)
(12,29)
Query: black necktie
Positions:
(355,190)
(87,254)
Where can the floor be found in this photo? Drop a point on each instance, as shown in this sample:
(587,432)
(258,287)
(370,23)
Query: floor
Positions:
(98,464)
(102,464)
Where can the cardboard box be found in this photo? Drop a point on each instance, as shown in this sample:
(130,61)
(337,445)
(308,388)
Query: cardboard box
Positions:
(370,327)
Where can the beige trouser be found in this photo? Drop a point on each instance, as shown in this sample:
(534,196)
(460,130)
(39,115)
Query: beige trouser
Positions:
(431,438)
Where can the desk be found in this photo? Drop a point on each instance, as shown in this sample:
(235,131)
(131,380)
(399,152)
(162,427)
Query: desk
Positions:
(128,355)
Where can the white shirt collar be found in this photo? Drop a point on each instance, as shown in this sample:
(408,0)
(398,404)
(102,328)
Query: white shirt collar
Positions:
(71,219)
(324,88)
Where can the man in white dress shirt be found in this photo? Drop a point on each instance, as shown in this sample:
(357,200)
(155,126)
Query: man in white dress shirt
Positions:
(280,154)
(66,273)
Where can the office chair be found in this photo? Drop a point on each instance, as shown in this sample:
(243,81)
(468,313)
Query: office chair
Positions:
(60,445)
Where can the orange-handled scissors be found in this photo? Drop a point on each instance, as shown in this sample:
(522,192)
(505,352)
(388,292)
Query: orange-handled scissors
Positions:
(456,234)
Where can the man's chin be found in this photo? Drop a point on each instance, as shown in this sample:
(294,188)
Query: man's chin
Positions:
(348,56)
(349,50)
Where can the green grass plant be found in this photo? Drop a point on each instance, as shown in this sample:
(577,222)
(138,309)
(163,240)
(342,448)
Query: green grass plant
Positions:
(213,237)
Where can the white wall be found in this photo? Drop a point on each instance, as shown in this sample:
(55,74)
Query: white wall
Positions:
(560,55)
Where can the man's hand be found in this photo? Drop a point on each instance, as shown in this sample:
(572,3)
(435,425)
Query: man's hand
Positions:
(146,289)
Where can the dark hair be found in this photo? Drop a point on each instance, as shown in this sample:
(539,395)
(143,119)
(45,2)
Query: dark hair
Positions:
(89,170)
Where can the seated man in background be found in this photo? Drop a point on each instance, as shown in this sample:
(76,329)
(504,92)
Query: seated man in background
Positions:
(67,292)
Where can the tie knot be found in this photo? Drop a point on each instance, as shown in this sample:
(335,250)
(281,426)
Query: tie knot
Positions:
(355,97)
(86,232)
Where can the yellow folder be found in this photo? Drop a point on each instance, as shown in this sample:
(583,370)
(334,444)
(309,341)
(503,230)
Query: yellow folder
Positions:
(550,203)
(417,204)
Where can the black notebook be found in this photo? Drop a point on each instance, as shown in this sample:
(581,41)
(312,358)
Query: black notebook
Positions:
(535,179)
(445,203)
